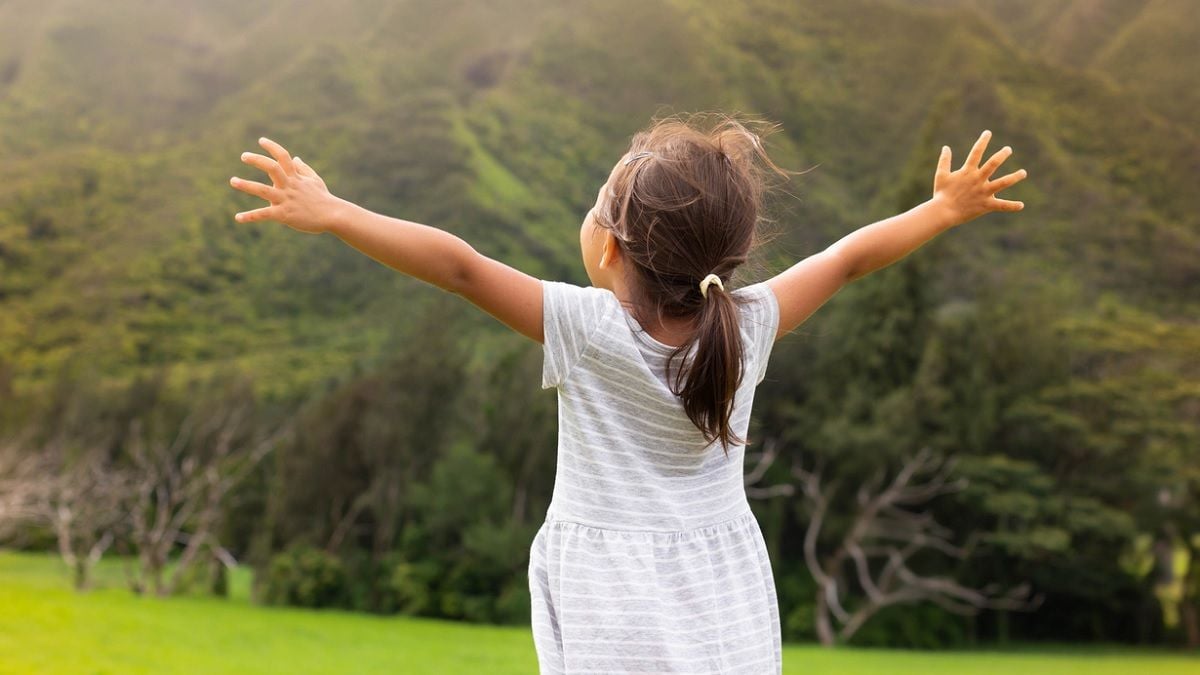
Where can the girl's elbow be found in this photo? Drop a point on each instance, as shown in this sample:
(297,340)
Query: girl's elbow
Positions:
(463,272)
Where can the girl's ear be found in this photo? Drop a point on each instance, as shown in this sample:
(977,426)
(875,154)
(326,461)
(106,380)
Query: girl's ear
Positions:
(611,251)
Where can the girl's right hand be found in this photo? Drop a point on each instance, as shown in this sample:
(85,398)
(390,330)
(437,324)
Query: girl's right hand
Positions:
(298,196)
(968,193)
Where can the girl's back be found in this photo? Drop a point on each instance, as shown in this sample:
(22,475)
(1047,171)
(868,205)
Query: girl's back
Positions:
(650,559)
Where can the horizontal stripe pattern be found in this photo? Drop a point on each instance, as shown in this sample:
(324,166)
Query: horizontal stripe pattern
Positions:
(650,559)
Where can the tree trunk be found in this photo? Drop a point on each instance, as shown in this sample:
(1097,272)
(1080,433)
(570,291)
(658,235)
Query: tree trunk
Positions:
(81,574)
(519,503)
(856,621)
(824,629)
(219,584)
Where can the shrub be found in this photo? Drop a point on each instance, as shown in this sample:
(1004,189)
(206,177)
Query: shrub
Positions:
(411,587)
(306,577)
(512,607)
(913,626)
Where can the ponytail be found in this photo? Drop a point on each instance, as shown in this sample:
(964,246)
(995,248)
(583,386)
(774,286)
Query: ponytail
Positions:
(708,384)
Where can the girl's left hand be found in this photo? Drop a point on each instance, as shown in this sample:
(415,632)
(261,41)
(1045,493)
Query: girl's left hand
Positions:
(298,196)
(969,192)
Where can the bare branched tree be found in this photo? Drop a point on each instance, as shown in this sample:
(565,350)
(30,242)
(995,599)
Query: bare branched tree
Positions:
(79,495)
(85,507)
(180,487)
(26,479)
(885,534)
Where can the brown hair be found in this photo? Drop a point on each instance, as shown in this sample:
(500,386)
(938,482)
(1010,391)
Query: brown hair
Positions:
(685,202)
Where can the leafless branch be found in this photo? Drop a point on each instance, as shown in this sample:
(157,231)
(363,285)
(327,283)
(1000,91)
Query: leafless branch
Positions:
(26,479)
(181,487)
(880,541)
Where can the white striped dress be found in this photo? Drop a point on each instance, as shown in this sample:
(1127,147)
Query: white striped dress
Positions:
(650,559)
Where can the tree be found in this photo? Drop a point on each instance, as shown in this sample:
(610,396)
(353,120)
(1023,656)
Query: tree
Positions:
(179,487)
(25,481)
(85,507)
(884,537)
(76,492)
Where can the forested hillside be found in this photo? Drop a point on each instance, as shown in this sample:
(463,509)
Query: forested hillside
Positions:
(117,231)
(1055,349)
(1137,45)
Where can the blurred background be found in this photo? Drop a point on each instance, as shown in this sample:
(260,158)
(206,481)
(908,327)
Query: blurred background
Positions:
(986,454)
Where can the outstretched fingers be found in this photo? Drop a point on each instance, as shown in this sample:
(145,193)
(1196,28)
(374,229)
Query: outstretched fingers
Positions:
(257,189)
(265,213)
(1007,181)
(302,168)
(977,150)
(279,167)
(943,166)
(306,170)
(282,156)
(1005,205)
(270,166)
(995,161)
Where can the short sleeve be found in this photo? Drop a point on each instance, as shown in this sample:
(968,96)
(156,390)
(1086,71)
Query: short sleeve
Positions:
(570,315)
(761,315)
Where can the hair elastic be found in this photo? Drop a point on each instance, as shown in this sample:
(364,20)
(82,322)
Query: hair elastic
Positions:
(710,279)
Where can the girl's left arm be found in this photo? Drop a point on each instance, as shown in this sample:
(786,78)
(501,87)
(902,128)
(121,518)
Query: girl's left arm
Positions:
(300,200)
(958,196)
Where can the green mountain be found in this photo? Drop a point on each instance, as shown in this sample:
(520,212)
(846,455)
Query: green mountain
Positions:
(1140,46)
(121,122)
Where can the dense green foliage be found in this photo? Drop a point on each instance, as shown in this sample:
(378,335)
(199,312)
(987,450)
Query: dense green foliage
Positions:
(306,578)
(1053,351)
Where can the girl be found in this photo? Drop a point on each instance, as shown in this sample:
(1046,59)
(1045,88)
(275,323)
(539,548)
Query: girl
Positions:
(650,558)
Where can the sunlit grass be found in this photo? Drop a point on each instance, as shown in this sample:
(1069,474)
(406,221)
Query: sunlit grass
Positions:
(45,627)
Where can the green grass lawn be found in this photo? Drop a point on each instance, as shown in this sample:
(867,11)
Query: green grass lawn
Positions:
(45,627)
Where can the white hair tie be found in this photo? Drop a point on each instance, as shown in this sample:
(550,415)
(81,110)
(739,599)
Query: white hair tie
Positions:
(710,279)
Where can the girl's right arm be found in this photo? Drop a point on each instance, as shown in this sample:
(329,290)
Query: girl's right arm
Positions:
(958,197)
(446,261)
(300,200)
